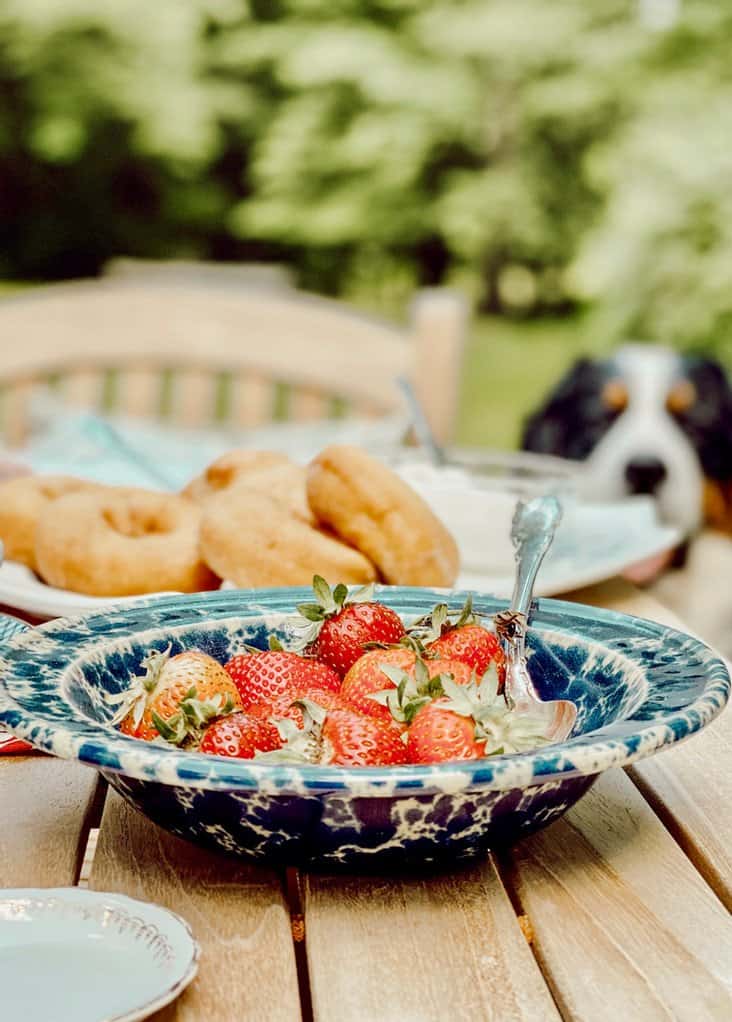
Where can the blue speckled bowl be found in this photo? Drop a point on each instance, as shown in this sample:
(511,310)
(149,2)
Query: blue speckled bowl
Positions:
(639,686)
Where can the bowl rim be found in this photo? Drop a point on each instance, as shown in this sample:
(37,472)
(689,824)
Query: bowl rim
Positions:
(110,751)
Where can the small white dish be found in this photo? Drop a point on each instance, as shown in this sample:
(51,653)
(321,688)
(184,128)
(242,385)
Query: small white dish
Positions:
(85,956)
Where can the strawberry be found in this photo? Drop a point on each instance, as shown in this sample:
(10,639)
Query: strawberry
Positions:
(287,705)
(367,676)
(469,722)
(438,733)
(341,626)
(190,684)
(239,735)
(465,639)
(349,739)
(266,676)
(381,670)
(407,691)
(338,737)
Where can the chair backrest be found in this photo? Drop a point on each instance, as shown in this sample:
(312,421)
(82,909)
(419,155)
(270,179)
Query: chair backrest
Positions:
(200,354)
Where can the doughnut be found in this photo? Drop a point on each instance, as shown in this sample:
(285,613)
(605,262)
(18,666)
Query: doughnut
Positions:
(254,541)
(265,471)
(368,506)
(22,501)
(121,541)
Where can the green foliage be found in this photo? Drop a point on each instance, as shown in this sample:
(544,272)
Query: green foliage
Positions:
(659,263)
(544,155)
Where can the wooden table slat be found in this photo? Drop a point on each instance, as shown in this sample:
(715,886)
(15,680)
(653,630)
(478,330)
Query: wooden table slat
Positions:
(624,925)
(688,785)
(46,808)
(427,949)
(237,913)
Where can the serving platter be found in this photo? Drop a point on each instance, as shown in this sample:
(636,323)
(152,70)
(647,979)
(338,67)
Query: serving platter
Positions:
(101,957)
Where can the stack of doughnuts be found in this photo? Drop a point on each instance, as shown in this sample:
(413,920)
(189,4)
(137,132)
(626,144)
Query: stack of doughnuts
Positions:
(253,518)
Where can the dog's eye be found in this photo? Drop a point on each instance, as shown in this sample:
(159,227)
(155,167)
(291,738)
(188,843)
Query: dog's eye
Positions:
(681,397)
(615,395)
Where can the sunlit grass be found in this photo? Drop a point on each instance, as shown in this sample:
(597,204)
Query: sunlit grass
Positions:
(509,367)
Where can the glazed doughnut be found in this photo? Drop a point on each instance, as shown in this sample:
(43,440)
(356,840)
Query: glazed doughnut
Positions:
(253,541)
(120,541)
(265,471)
(22,501)
(367,505)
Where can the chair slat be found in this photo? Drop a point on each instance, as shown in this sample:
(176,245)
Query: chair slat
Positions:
(439,320)
(16,406)
(308,405)
(139,392)
(194,397)
(83,388)
(252,400)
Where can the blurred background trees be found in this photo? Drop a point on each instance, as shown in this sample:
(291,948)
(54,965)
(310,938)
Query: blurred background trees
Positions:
(548,157)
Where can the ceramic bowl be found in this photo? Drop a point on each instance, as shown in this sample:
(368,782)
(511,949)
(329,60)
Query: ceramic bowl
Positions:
(638,686)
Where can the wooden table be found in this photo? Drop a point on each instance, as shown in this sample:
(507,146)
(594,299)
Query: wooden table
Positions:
(618,911)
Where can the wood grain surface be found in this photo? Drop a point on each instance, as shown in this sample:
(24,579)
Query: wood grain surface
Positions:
(689,784)
(237,913)
(46,809)
(624,925)
(429,949)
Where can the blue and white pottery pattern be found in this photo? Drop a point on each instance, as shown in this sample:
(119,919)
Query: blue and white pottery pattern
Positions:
(639,687)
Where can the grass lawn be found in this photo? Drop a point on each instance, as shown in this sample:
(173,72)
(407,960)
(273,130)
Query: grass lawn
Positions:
(509,367)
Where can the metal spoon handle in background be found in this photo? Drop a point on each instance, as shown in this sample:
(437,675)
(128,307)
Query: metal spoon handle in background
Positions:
(422,428)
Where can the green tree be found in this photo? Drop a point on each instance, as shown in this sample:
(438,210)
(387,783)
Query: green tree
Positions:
(658,265)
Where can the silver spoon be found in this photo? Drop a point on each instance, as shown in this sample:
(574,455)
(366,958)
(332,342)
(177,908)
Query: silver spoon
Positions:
(532,531)
(422,428)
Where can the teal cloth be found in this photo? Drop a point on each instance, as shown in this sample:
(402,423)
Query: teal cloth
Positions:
(130,452)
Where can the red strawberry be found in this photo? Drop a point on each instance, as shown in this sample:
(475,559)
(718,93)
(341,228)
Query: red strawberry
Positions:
(342,625)
(469,722)
(383,669)
(437,734)
(367,676)
(239,735)
(192,678)
(337,737)
(471,644)
(287,705)
(464,639)
(267,676)
(349,739)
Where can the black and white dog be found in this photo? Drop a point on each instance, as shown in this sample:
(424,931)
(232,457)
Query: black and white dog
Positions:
(646,421)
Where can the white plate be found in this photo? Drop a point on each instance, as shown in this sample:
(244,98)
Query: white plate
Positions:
(22,589)
(80,955)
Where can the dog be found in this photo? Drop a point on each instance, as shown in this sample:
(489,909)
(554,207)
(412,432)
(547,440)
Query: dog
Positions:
(650,421)
(646,421)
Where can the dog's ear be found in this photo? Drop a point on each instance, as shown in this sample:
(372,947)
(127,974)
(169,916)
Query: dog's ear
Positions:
(573,418)
(707,421)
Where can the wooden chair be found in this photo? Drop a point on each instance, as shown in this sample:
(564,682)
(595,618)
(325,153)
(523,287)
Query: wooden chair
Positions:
(195,352)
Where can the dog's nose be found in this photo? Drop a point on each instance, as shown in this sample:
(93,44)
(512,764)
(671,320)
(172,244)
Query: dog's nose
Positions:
(645,475)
